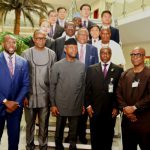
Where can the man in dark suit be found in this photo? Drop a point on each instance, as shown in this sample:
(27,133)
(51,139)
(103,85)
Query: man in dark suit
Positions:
(85,10)
(70,29)
(101,101)
(62,13)
(88,55)
(14,79)
(133,94)
(106,18)
(55,30)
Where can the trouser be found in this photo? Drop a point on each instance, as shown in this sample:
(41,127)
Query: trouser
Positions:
(13,127)
(43,117)
(60,125)
(134,134)
(102,131)
(82,125)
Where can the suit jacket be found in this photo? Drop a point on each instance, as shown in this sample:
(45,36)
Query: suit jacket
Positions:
(58,31)
(114,34)
(91,57)
(90,23)
(59,48)
(14,88)
(142,97)
(96,90)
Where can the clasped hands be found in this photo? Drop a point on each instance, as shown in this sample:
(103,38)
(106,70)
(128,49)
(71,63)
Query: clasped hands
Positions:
(11,106)
(128,111)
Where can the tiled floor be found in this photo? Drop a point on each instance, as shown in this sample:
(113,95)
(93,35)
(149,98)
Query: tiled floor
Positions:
(3,145)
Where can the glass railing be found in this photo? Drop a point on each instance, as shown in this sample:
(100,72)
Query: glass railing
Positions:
(123,8)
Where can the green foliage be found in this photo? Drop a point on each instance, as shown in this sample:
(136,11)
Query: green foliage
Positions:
(22,43)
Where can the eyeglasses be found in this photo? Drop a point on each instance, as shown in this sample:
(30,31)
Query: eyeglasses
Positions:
(136,55)
(40,38)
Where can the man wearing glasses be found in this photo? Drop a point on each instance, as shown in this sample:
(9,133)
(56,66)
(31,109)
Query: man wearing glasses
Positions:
(134,100)
(40,59)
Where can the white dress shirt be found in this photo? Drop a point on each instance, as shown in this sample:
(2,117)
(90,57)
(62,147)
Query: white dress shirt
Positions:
(117,53)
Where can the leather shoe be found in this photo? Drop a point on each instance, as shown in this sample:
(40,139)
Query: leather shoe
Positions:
(67,139)
(83,140)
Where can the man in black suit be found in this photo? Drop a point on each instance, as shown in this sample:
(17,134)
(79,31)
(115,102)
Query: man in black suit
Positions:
(85,10)
(62,13)
(55,30)
(106,18)
(70,29)
(101,101)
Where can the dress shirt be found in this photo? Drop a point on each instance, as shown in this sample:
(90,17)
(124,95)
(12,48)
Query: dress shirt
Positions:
(68,37)
(84,49)
(107,67)
(95,43)
(62,22)
(117,53)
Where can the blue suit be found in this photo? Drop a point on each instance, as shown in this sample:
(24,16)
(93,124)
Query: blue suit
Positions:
(91,56)
(13,88)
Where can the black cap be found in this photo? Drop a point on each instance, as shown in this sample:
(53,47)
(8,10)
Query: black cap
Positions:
(71,41)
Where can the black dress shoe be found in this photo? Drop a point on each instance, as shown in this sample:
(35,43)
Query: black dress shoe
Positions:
(83,140)
(67,139)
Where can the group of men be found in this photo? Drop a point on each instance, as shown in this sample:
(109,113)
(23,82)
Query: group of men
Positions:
(84,81)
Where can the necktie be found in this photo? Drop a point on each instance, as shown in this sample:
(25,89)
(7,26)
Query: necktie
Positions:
(10,66)
(51,31)
(84,24)
(81,55)
(105,70)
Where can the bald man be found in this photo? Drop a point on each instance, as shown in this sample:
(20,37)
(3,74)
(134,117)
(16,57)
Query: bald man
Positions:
(134,100)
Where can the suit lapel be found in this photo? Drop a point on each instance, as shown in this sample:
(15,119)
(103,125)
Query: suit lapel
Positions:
(4,63)
(17,67)
(87,55)
(99,70)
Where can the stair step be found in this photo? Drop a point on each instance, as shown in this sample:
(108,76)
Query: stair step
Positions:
(66,145)
(53,129)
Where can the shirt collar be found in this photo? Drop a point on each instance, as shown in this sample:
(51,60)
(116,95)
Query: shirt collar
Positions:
(102,63)
(6,55)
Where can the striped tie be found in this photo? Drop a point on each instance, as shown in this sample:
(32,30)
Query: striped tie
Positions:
(10,66)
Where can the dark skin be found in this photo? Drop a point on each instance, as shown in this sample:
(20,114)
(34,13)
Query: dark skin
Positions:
(9,45)
(137,59)
(105,55)
(71,52)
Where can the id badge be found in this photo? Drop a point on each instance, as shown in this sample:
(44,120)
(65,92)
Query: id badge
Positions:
(110,88)
(135,84)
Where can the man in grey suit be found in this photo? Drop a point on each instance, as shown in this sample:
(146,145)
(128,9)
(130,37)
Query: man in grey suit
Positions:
(40,60)
(67,94)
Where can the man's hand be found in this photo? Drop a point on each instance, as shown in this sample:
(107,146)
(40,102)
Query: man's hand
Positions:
(90,111)
(54,111)
(11,106)
(26,102)
(129,113)
(132,117)
(114,112)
